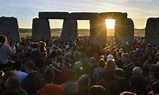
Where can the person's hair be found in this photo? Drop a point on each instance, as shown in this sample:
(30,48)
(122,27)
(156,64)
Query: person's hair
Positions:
(83,82)
(40,63)
(119,72)
(92,60)
(97,90)
(30,65)
(155,87)
(43,49)
(49,75)
(58,51)
(68,55)
(127,93)
(125,55)
(10,65)
(76,55)
(155,75)
(3,38)
(110,63)
(42,46)
(13,82)
(8,74)
(137,71)
(154,68)
(18,65)
(119,54)
(72,75)
(101,62)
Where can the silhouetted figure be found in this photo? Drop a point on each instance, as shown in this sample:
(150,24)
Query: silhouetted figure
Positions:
(50,88)
(5,51)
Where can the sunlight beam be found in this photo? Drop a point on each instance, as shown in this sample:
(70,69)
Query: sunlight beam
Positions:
(110,23)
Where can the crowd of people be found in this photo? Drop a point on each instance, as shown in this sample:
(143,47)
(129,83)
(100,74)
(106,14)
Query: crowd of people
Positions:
(78,67)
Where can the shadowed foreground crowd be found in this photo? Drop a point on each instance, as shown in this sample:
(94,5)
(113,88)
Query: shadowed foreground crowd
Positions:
(78,67)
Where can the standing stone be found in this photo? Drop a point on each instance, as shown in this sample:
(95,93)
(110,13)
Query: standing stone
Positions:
(98,31)
(41,29)
(152,31)
(9,27)
(124,30)
(69,30)
(54,15)
(83,15)
(113,15)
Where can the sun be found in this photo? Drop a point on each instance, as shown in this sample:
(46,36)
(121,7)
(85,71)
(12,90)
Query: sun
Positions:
(110,23)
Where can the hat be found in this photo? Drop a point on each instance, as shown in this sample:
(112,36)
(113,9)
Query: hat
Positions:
(110,56)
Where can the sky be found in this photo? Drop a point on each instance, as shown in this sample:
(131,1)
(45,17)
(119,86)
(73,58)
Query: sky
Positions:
(25,10)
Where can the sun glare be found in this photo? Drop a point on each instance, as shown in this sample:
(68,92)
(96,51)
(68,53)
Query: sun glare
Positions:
(110,23)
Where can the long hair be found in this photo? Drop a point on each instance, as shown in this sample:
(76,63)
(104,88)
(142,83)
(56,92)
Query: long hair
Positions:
(3,39)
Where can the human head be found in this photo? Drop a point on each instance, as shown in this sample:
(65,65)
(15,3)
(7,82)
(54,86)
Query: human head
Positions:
(3,38)
(155,87)
(154,77)
(40,64)
(119,72)
(84,82)
(110,64)
(59,51)
(101,62)
(92,60)
(29,65)
(72,75)
(118,55)
(68,55)
(127,93)
(137,71)
(125,57)
(12,83)
(18,65)
(8,74)
(97,90)
(110,56)
(49,76)
(157,55)
(76,55)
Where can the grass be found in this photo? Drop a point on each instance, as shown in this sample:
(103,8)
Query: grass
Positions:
(85,32)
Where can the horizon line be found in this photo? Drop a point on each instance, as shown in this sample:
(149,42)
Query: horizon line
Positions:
(61,28)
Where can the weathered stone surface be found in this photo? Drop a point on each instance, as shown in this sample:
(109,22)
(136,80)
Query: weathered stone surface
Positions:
(9,28)
(54,15)
(69,30)
(40,29)
(83,15)
(124,30)
(98,31)
(152,31)
(113,15)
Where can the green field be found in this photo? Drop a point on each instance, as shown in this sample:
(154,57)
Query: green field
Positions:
(85,32)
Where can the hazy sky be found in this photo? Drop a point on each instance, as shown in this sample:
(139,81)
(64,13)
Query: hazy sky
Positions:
(26,10)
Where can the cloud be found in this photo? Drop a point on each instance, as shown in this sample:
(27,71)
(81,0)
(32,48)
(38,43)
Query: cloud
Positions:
(26,10)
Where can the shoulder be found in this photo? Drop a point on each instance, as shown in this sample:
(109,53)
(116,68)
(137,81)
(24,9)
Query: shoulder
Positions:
(57,86)
(5,46)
